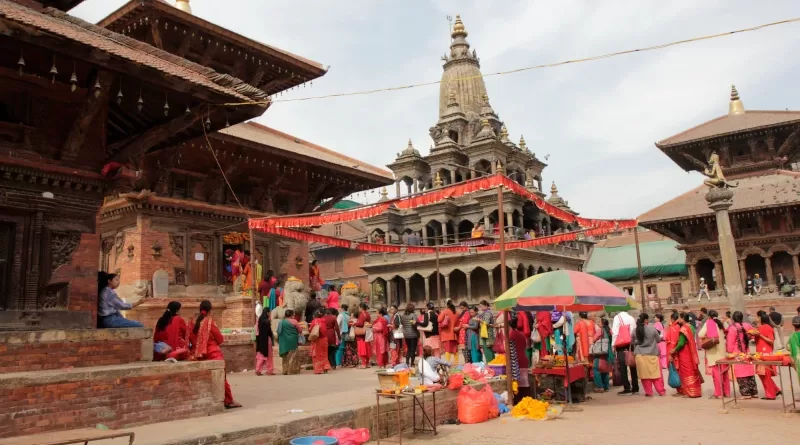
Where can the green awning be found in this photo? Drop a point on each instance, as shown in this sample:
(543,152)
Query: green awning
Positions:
(619,263)
(346,204)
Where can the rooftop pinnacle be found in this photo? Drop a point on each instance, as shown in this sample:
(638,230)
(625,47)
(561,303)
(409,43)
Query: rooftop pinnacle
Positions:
(458,28)
(736,106)
(184,6)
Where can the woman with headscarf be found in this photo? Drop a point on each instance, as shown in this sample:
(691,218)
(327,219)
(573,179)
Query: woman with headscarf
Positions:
(319,345)
(688,362)
(204,340)
(713,332)
(265,363)
(289,332)
(171,331)
(462,321)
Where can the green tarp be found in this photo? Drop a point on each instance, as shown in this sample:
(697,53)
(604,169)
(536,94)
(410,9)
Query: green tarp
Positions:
(346,204)
(619,263)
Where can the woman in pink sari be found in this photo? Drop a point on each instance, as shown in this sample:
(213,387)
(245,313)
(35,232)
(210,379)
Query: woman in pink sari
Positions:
(662,346)
(714,330)
(685,352)
(380,337)
(738,342)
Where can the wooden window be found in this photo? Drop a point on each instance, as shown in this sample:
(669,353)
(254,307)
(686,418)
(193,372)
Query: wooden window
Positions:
(676,292)
(338,264)
(628,290)
(652,289)
(337,230)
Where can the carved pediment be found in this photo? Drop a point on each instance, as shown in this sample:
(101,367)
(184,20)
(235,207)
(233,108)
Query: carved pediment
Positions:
(62,247)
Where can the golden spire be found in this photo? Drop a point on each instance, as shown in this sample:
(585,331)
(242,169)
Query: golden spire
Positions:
(438,181)
(504,134)
(184,6)
(500,168)
(554,189)
(736,106)
(458,28)
(384,194)
(522,145)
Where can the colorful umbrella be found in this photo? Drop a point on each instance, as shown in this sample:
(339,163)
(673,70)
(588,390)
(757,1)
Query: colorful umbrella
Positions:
(562,290)
(631,304)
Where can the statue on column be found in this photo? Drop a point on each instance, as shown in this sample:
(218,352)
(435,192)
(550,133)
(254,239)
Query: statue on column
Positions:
(714,172)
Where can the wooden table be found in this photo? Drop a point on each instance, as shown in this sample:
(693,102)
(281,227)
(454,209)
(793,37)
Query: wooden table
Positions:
(68,437)
(785,406)
(577,371)
(418,400)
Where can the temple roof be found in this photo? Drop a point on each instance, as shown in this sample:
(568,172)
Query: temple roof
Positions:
(462,74)
(56,22)
(737,120)
(255,132)
(778,188)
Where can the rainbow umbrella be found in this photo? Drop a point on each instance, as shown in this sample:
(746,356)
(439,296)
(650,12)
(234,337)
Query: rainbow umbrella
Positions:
(566,290)
(630,305)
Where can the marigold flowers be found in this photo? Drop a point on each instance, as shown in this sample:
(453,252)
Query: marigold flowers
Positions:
(531,409)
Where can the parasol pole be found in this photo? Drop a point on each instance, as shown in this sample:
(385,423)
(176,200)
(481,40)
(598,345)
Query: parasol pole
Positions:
(503,289)
(639,266)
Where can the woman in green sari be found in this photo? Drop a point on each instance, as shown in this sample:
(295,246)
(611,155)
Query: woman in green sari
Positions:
(794,344)
(289,332)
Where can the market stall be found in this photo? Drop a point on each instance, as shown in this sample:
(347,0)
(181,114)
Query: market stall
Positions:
(778,360)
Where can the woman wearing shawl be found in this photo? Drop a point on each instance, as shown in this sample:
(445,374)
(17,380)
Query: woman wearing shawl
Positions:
(487,322)
(713,329)
(236,265)
(671,337)
(545,327)
(288,333)
(765,338)
(462,321)
(602,364)
(447,334)
(584,333)
(737,342)
(204,340)
(473,345)
(265,363)
(685,354)
(314,277)
(362,346)
(662,346)
(380,338)
(333,299)
(562,324)
(319,346)
(171,330)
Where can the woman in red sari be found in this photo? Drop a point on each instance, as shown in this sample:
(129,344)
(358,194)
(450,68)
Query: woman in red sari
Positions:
(671,337)
(687,361)
(319,347)
(362,347)
(584,332)
(171,330)
(463,320)
(204,340)
(764,344)
(380,337)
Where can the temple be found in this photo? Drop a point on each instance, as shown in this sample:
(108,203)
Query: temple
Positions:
(120,144)
(757,151)
(470,141)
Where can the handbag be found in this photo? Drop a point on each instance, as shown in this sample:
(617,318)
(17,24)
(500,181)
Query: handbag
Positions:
(314,334)
(603,366)
(359,331)
(623,337)
(630,359)
(599,348)
(617,374)
(674,379)
(368,335)
(428,327)
(536,337)
(709,343)
(484,330)
(398,333)
(351,335)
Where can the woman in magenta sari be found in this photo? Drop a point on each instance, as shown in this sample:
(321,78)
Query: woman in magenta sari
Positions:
(204,339)
(685,353)
(737,342)
(765,338)
(713,329)
(380,338)
(662,346)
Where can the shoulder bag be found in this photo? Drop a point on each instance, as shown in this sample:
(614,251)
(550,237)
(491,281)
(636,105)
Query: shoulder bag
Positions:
(428,327)
(600,347)
(623,336)
(314,334)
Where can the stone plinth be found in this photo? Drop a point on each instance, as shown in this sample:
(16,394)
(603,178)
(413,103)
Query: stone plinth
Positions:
(22,351)
(720,200)
(116,396)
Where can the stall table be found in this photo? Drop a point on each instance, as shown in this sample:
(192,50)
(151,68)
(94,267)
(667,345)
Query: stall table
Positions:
(787,407)
(577,371)
(418,400)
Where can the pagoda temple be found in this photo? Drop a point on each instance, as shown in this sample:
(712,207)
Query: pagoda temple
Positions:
(758,152)
(470,141)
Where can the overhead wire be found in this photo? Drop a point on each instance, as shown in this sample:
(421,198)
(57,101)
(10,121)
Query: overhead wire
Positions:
(528,68)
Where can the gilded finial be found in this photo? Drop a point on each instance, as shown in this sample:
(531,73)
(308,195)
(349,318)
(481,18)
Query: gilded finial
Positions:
(458,28)
(438,181)
(736,106)
(384,194)
(500,168)
(522,145)
(553,189)
(504,134)
(184,6)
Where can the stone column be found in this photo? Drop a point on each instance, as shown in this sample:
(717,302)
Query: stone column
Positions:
(509,220)
(428,287)
(720,200)
(424,236)
(408,290)
(397,188)
(456,235)
(795,266)
(742,270)
(444,233)
(452,176)
(770,278)
(693,278)
(513,276)
(389,293)
(486,224)
(469,285)
(416,185)
(491,283)
(718,273)
(446,289)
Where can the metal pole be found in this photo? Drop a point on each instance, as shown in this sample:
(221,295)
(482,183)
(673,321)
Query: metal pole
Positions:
(438,279)
(503,288)
(639,265)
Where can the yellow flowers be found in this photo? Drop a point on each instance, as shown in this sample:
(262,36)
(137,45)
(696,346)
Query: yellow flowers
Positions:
(530,409)
(499,360)
(515,387)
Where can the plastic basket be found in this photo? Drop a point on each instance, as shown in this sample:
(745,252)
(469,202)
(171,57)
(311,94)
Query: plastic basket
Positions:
(314,440)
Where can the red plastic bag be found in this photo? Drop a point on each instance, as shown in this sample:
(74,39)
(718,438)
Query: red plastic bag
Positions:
(456,381)
(473,372)
(347,436)
(476,406)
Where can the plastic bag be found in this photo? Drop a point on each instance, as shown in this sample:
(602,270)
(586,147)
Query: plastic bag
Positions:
(477,373)
(674,379)
(476,406)
(347,436)
(456,381)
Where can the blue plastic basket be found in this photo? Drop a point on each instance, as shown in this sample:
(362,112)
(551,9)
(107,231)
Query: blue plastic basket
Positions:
(314,440)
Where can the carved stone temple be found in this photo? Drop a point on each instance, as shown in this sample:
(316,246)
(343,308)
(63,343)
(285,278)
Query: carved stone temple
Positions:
(758,153)
(470,141)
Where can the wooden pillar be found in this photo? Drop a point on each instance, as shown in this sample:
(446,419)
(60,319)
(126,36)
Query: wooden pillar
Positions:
(718,273)
(491,282)
(770,278)
(742,270)
(31,294)
(408,290)
(795,267)
(469,285)
(389,292)
(694,286)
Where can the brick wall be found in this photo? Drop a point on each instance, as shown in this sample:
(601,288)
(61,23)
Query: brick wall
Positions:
(81,273)
(22,351)
(118,397)
(289,267)
(351,262)
(143,265)
(239,353)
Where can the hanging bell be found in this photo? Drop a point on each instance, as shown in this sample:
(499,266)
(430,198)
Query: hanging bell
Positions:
(53,72)
(187,110)
(208,123)
(21,64)
(140,103)
(227,124)
(166,107)
(97,88)
(73,80)
(119,96)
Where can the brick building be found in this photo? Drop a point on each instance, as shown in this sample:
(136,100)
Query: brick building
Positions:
(338,266)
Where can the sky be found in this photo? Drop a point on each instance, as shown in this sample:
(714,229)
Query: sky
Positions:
(597,121)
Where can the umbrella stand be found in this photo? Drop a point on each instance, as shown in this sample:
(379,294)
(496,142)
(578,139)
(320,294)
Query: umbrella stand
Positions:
(569,407)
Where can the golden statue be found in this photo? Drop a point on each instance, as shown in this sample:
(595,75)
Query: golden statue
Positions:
(714,173)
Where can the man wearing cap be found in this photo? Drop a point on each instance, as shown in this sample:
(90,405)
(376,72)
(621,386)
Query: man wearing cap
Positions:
(703,290)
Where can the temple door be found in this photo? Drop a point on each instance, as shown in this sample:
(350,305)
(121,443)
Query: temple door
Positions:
(199,264)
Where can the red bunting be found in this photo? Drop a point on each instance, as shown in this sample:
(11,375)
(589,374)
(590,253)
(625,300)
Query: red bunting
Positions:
(435,196)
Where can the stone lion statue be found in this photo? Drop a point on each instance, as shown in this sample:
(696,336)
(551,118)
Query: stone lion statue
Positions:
(349,296)
(295,296)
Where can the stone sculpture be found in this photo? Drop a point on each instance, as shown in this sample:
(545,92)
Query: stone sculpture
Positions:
(349,296)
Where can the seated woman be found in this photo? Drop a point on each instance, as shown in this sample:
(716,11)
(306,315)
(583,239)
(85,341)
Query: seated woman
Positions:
(204,341)
(432,369)
(169,338)
(109,304)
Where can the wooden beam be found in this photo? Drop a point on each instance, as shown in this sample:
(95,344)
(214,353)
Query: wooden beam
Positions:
(186,44)
(329,204)
(211,49)
(95,99)
(256,79)
(141,143)
(275,83)
(155,34)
